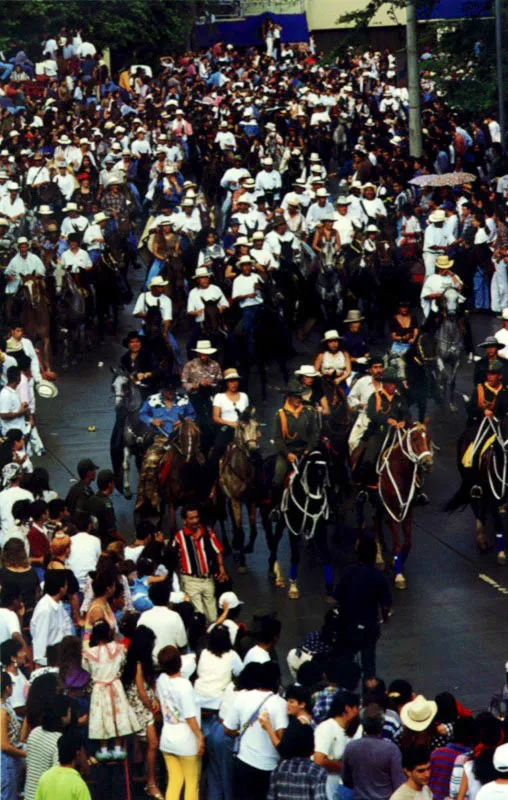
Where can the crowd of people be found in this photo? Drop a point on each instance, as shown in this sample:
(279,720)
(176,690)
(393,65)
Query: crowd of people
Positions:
(264,192)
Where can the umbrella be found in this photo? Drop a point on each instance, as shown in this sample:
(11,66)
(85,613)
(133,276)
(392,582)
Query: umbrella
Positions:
(448,179)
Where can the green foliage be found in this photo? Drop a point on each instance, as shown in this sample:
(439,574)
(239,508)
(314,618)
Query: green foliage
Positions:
(140,25)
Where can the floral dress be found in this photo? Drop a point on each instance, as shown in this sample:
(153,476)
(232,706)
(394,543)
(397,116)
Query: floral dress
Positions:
(110,713)
(144,715)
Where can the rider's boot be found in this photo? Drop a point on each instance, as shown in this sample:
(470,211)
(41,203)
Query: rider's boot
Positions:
(329,583)
(293,591)
(500,551)
(476,493)
(400,581)
(420,498)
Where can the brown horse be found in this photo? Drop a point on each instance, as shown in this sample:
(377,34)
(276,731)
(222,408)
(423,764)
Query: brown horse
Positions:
(32,301)
(238,475)
(405,455)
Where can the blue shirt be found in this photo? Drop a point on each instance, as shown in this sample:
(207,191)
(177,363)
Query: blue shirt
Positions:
(155,408)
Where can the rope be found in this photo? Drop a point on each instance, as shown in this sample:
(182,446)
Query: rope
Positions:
(395,438)
(321,496)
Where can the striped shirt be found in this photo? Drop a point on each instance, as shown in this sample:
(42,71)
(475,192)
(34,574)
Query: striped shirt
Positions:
(41,754)
(442,760)
(198,557)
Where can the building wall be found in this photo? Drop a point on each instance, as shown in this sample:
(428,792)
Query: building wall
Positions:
(323,14)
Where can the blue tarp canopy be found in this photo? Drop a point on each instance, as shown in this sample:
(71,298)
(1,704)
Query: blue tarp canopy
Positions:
(246,32)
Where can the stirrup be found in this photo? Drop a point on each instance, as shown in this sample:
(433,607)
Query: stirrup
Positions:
(362,496)
(476,492)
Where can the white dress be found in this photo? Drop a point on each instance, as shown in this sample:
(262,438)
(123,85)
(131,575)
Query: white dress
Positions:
(333,363)
(110,713)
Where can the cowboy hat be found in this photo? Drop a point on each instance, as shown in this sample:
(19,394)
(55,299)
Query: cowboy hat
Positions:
(491,341)
(495,366)
(443,262)
(46,389)
(231,375)
(231,599)
(242,240)
(64,139)
(244,260)
(321,193)
(258,236)
(201,272)
(343,201)
(437,216)
(372,229)
(157,281)
(331,336)
(353,316)
(188,203)
(294,388)
(99,217)
(419,713)
(292,199)
(204,346)
(307,371)
(45,210)
(390,375)
(71,207)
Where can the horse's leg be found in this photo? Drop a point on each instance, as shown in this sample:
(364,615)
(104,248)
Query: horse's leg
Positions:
(127,493)
(377,522)
(273,538)
(324,553)
(453,378)
(398,563)
(46,347)
(252,509)
(238,538)
(479,510)
(294,546)
(499,532)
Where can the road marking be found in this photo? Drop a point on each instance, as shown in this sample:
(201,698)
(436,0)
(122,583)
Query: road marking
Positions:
(495,585)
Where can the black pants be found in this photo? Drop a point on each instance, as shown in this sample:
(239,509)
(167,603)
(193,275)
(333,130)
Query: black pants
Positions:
(367,652)
(250,783)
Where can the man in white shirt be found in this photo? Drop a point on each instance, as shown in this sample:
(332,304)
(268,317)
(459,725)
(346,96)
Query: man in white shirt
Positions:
(279,240)
(65,182)
(11,605)
(225,138)
(11,204)
(269,182)
(203,292)
(75,259)
(248,296)
(50,622)
(261,258)
(436,284)
(21,266)
(318,210)
(11,478)
(188,220)
(12,411)
(155,297)
(38,173)
(17,341)
(85,549)
(344,221)
(436,241)
(359,397)
(167,625)
(86,49)
(74,222)
(93,237)
(372,206)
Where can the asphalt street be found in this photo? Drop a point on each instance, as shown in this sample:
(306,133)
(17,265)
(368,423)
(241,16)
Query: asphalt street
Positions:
(448,628)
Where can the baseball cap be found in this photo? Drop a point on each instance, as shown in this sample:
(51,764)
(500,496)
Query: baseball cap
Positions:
(231,599)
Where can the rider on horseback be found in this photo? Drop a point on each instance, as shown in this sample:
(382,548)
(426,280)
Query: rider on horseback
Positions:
(296,433)
(386,409)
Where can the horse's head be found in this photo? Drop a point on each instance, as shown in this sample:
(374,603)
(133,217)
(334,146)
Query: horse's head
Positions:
(119,386)
(188,440)
(450,302)
(419,445)
(212,315)
(314,476)
(248,430)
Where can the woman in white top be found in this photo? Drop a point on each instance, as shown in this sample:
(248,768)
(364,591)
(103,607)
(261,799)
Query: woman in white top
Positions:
(217,665)
(182,742)
(332,736)
(333,362)
(227,407)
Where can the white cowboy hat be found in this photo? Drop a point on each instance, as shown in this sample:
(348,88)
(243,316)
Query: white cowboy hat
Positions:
(331,335)
(157,281)
(12,186)
(353,315)
(258,236)
(437,216)
(46,389)
(201,272)
(368,185)
(293,200)
(71,207)
(371,229)
(22,240)
(343,201)
(231,599)
(45,210)
(418,714)
(504,314)
(315,157)
(307,371)
(242,240)
(188,203)
(204,346)
(64,139)
(99,217)
(165,221)
(268,161)
(321,193)
(115,180)
(231,375)
(244,260)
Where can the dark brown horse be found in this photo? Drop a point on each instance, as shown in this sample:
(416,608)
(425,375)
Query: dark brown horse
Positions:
(405,455)
(336,429)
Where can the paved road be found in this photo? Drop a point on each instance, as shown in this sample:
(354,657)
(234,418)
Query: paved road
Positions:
(448,630)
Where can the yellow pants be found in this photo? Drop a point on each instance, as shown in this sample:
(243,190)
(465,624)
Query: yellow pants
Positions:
(182,771)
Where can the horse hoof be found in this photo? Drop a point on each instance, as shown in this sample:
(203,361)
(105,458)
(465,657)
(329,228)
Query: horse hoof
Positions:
(400,582)
(380,563)
(293,592)
(242,569)
(501,558)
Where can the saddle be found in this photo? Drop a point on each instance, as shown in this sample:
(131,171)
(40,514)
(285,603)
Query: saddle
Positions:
(357,455)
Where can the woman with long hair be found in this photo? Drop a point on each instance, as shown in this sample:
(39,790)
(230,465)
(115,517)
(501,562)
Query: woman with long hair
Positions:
(217,666)
(138,679)
(17,572)
(104,586)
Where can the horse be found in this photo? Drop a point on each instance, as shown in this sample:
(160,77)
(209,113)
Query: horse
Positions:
(304,510)
(111,287)
(420,373)
(182,478)
(328,285)
(449,345)
(336,427)
(129,438)
(406,454)
(239,480)
(31,305)
(485,482)
(71,313)
(213,327)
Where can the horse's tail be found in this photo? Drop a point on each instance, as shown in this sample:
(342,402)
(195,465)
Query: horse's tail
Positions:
(459,501)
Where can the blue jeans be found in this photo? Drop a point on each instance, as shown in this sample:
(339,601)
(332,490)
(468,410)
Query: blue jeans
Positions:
(5,73)
(219,748)
(249,314)
(11,767)
(481,290)
(154,270)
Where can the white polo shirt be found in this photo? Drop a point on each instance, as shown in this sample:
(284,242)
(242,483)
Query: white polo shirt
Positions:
(10,404)
(197,298)
(146,300)
(246,284)
(74,262)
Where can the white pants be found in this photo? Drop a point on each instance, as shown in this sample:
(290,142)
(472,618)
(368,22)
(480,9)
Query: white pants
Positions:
(429,260)
(358,429)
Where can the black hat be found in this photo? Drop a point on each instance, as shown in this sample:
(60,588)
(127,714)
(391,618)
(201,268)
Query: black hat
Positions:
(131,336)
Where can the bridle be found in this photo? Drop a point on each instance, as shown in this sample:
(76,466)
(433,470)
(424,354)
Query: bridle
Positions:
(402,440)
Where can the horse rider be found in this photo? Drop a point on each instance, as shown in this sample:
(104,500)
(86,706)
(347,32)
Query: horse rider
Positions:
(203,292)
(436,241)
(155,298)
(247,293)
(386,411)
(296,433)
(491,346)
(313,395)
(200,379)
(359,396)
(436,284)
(227,407)
(164,412)
(489,400)
(23,265)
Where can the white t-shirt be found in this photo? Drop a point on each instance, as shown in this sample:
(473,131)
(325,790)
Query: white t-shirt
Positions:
(228,410)
(168,628)
(256,655)
(197,297)
(7,499)
(214,674)
(19,690)
(256,749)
(331,739)
(9,624)
(176,697)
(493,791)
(76,261)
(147,300)
(133,553)
(246,284)
(10,404)
(85,552)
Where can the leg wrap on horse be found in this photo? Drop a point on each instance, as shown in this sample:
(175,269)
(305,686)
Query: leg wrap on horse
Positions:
(148,485)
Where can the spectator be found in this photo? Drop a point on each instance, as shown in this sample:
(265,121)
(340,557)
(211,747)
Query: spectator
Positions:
(416,766)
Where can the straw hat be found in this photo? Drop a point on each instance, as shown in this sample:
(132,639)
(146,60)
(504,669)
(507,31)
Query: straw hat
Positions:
(204,346)
(418,714)
(353,316)
(307,371)
(437,216)
(157,281)
(231,375)
(46,389)
(201,272)
(443,262)
(331,336)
